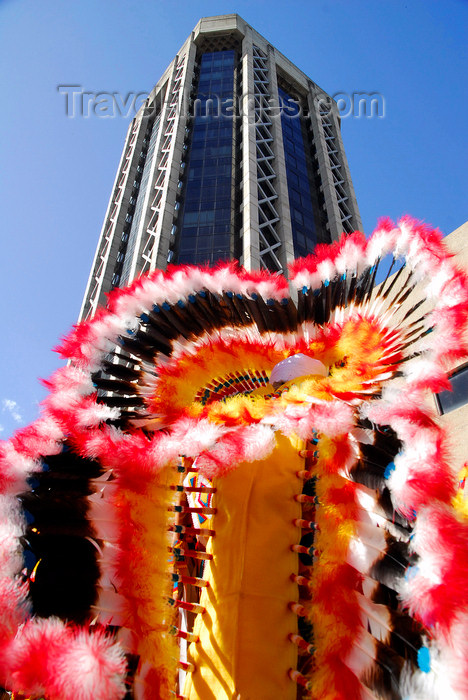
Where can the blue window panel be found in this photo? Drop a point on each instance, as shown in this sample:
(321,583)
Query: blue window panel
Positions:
(300,199)
(190,232)
(298,216)
(205,218)
(188,245)
(205,230)
(204,244)
(190,218)
(221,240)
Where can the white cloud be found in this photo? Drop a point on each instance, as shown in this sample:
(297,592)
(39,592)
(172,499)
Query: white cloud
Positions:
(11,407)
(2,428)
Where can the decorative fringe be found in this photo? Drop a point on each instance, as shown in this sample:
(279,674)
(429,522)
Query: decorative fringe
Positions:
(141,576)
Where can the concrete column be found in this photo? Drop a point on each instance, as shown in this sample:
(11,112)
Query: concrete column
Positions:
(283,227)
(250,228)
(328,188)
(141,235)
(110,237)
(352,201)
(166,217)
(161,95)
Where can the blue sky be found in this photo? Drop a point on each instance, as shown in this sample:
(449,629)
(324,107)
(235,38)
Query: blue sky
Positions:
(57,172)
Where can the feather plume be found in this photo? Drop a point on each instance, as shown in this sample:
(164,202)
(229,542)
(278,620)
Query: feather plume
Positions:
(44,436)
(91,666)
(436,592)
(31,655)
(15,608)
(245,445)
(195,350)
(15,468)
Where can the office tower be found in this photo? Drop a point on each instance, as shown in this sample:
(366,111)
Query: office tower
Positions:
(236,154)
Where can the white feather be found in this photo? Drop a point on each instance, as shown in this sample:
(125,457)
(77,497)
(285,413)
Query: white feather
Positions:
(91,416)
(377,617)
(12,527)
(16,468)
(311,280)
(366,547)
(379,244)
(102,515)
(259,442)
(350,258)
(326,269)
(435,685)
(110,607)
(362,654)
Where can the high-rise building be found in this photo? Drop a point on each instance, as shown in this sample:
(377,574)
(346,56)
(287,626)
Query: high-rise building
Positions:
(236,154)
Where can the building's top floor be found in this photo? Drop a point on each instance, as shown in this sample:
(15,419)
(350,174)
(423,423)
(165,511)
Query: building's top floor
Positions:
(210,35)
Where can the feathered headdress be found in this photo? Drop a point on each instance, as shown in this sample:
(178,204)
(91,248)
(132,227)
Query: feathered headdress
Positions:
(176,526)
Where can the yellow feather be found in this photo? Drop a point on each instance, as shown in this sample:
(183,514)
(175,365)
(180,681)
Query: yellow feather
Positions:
(148,585)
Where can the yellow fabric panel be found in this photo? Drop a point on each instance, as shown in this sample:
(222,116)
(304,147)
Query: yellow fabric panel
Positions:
(244,651)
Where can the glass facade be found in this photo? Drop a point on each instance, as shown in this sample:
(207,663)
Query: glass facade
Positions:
(298,177)
(204,231)
(206,169)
